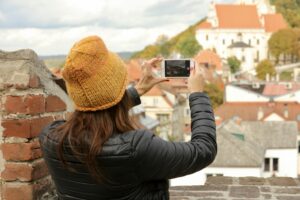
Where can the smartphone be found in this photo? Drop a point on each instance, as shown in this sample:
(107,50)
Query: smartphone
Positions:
(177,68)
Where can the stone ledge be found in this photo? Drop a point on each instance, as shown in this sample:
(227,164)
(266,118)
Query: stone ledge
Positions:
(233,188)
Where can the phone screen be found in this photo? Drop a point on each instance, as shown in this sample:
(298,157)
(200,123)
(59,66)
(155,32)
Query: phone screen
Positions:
(177,68)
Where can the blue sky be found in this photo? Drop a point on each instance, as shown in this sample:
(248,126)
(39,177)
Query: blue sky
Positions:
(50,27)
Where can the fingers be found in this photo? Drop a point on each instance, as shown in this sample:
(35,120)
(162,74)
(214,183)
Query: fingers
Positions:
(147,65)
(155,60)
(160,80)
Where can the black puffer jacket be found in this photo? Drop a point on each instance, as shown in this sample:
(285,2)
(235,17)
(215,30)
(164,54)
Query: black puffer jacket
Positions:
(137,164)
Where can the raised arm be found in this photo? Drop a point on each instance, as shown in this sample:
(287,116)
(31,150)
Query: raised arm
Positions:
(159,159)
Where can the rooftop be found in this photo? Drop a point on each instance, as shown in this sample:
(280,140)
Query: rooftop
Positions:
(237,16)
(249,111)
(274,22)
(241,138)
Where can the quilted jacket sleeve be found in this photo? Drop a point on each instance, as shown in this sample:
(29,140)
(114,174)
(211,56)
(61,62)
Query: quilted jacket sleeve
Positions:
(159,159)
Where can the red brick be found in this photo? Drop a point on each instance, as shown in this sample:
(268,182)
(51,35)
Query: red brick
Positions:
(23,171)
(34,81)
(21,151)
(54,104)
(15,104)
(21,86)
(38,124)
(35,104)
(16,128)
(31,104)
(17,171)
(17,191)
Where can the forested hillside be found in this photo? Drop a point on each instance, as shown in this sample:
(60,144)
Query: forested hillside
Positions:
(184,43)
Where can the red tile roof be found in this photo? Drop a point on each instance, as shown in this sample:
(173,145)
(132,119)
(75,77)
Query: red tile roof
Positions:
(204,25)
(249,110)
(134,70)
(209,57)
(274,22)
(275,89)
(237,16)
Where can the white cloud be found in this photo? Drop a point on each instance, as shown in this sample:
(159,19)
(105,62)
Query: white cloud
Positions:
(60,40)
(51,27)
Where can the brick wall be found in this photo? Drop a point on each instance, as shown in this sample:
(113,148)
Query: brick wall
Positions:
(229,188)
(30,99)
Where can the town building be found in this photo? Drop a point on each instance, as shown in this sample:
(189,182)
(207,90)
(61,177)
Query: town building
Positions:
(241,29)
(262,92)
(251,148)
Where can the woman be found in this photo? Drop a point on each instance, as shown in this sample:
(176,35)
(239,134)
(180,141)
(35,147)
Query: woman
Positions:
(98,153)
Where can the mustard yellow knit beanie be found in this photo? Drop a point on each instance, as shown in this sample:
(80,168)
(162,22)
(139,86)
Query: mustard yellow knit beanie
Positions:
(95,77)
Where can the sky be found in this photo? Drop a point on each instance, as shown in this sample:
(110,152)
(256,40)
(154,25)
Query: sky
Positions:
(51,27)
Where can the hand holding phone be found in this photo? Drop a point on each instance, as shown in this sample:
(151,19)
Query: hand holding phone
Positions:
(196,80)
(177,68)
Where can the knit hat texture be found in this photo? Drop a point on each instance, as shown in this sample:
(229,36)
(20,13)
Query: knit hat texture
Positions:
(95,77)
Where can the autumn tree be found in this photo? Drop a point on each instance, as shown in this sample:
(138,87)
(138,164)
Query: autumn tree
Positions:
(263,68)
(215,94)
(234,64)
(188,46)
(284,42)
(290,9)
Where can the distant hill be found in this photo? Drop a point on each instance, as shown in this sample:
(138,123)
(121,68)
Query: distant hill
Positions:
(184,43)
(57,61)
(126,55)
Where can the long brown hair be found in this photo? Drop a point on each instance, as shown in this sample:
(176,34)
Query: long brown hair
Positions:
(86,132)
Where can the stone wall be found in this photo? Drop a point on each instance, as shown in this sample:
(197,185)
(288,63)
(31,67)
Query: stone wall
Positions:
(229,188)
(29,100)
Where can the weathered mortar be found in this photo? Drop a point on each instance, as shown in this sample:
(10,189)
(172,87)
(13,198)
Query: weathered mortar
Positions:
(30,99)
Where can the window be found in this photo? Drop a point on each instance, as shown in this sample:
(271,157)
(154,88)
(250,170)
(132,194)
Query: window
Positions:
(298,146)
(163,118)
(207,37)
(271,164)
(243,58)
(258,42)
(210,175)
(257,56)
(249,42)
(223,41)
(275,164)
(232,41)
(267,164)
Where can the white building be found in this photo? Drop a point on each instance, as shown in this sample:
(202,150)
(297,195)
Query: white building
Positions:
(263,92)
(260,149)
(241,29)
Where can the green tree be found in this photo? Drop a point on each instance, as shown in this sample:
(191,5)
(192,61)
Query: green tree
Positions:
(188,46)
(284,42)
(290,9)
(263,68)
(150,51)
(234,64)
(215,94)
(184,43)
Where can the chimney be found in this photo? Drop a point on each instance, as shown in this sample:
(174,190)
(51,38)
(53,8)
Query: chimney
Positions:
(260,113)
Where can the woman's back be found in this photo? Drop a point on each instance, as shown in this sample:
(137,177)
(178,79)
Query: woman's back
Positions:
(98,154)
